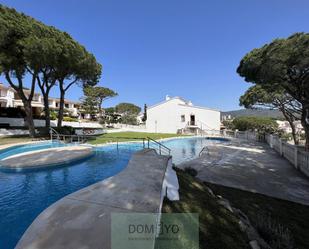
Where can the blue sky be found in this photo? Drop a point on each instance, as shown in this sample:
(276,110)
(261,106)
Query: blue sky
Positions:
(181,48)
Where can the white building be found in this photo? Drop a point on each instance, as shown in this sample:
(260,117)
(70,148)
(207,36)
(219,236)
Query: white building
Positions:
(10,98)
(175,115)
(285,126)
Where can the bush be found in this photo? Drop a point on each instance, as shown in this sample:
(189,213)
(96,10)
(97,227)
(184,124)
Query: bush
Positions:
(69,119)
(12,112)
(129,119)
(191,171)
(275,234)
(53,115)
(262,124)
(228,124)
(42,131)
(65,130)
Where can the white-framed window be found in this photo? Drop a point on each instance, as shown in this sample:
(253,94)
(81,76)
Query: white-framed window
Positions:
(183,118)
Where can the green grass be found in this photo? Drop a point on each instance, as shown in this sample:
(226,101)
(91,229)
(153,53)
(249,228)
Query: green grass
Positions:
(218,228)
(291,215)
(129,136)
(14,139)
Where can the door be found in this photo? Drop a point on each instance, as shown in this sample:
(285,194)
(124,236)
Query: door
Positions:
(192,119)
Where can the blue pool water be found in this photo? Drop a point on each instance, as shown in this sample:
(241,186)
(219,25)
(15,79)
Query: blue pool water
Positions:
(24,195)
(29,147)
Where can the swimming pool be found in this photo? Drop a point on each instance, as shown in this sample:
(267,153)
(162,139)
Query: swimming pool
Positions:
(17,149)
(24,195)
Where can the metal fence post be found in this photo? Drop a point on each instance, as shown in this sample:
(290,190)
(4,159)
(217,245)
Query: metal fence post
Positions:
(296,156)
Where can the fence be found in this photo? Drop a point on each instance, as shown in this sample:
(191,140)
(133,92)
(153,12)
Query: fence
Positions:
(296,155)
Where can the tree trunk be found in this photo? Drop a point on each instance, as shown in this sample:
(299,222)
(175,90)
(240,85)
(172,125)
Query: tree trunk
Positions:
(61,108)
(29,118)
(46,111)
(305,124)
(294,135)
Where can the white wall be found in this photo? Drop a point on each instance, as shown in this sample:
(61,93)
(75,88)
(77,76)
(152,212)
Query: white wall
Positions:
(163,118)
(166,117)
(19,122)
(5,132)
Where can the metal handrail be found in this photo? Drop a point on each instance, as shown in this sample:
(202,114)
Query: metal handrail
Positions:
(53,131)
(160,145)
(204,148)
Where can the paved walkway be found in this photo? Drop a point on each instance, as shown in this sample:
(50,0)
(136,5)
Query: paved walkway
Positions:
(253,167)
(82,219)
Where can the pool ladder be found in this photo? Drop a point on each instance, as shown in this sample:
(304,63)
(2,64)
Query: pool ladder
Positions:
(203,151)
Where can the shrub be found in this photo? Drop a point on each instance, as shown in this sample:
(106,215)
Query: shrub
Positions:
(275,234)
(12,112)
(263,124)
(191,171)
(65,130)
(53,115)
(69,119)
(129,119)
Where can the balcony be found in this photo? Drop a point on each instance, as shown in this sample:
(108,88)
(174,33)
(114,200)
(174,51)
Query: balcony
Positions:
(18,102)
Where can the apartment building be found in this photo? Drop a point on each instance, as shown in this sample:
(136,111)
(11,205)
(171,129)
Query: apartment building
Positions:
(10,98)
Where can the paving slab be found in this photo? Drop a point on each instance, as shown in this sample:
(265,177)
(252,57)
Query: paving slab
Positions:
(82,219)
(254,167)
(46,157)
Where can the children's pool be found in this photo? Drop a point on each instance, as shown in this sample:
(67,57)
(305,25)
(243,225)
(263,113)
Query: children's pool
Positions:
(17,149)
(24,195)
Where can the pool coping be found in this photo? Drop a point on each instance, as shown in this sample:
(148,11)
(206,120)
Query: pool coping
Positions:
(34,162)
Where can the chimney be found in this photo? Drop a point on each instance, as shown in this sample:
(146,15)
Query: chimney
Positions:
(167,97)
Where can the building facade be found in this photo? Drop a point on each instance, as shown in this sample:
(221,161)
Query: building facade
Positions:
(285,126)
(10,98)
(177,115)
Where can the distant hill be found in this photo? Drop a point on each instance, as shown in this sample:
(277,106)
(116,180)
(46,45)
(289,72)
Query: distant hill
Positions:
(254,112)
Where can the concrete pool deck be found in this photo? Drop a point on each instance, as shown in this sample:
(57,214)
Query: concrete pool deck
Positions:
(254,167)
(82,219)
(46,157)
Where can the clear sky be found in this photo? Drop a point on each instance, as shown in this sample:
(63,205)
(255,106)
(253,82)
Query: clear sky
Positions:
(191,48)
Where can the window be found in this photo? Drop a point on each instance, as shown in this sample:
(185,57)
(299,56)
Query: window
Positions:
(183,118)
(57,104)
(66,105)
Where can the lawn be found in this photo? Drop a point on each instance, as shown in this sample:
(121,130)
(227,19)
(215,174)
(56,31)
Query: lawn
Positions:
(284,214)
(14,139)
(129,136)
(282,224)
(218,227)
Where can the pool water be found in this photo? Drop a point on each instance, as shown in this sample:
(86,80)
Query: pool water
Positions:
(24,195)
(29,147)
(186,149)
